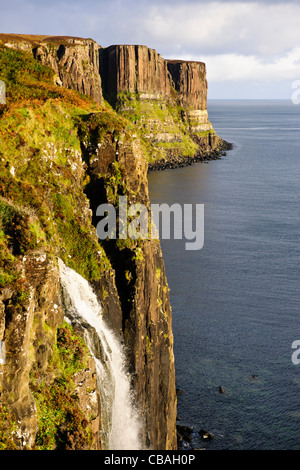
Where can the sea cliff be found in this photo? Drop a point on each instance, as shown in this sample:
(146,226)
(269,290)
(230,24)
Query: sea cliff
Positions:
(81,126)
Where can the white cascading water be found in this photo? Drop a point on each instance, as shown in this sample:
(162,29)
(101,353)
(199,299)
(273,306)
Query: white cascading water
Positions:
(120,419)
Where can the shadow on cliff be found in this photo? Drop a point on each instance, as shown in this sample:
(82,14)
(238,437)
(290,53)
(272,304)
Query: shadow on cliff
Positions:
(121,259)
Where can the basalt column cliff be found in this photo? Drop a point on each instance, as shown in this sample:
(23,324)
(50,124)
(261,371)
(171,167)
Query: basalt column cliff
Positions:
(166,100)
(190,82)
(81,126)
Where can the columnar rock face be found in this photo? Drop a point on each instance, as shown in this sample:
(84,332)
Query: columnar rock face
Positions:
(167,99)
(138,69)
(190,82)
(134,69)
(81,64)
(189,79)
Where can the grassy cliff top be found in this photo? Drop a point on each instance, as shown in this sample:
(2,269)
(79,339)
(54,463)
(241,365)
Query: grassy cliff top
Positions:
(37,39)
(29,82)
(42,175)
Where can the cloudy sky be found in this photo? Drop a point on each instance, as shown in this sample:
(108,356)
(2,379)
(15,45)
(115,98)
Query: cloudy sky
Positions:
(251,48)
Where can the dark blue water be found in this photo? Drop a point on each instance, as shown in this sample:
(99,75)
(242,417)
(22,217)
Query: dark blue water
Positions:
(236,302)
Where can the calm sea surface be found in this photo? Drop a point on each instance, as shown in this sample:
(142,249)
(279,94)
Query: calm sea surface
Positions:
(236,302)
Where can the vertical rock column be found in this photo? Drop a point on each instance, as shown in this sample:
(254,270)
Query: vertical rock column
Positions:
(133,69)
(189,79)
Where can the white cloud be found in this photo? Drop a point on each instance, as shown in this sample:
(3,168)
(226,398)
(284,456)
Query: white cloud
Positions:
(240,41)
(217,27)
(238,67)
(237,41)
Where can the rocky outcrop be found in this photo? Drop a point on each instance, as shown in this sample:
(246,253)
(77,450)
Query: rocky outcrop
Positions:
(141,70)
(166,100)
(76,63)
(89,402)
(30,318)
(190,82)
(133,69)
(117,166)
(74,60)
(81,159)
(81,156)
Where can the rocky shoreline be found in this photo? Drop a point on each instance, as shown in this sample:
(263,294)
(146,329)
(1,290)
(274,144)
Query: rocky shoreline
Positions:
(179,161)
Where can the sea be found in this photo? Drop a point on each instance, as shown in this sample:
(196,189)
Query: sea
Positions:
(236,301)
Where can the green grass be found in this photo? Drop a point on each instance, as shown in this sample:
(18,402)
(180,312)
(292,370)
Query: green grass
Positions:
(153,117)
(42,180)
(27,79)
(41,168)
(8,427)
(19,232)
(61,424)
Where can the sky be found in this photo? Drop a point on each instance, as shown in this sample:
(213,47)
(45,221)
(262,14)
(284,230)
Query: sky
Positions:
(251,48)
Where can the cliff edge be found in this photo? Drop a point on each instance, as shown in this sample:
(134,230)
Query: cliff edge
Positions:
(63,154)
(165,99)
(81,127)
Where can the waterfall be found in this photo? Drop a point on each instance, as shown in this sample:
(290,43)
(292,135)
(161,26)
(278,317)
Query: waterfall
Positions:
(2,352)
(120,420)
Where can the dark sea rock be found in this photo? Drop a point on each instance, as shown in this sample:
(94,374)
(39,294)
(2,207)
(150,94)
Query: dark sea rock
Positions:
(205,434)
(179,161)
(184,434)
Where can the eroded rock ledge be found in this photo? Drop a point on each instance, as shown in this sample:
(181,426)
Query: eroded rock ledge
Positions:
(179,161)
